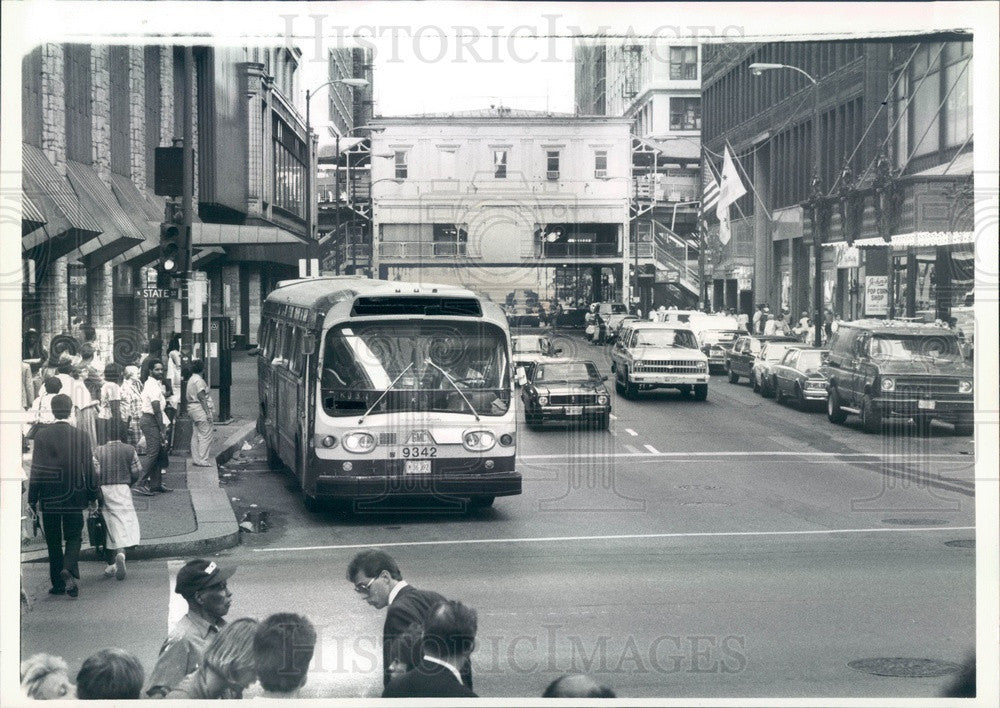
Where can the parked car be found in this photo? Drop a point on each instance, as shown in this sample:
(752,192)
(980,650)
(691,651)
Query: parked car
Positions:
(621,326)
(770,354)
(529,349)
(744,352)
(652,355)
(799,376)
(566,389)
(879,369)
(607,317)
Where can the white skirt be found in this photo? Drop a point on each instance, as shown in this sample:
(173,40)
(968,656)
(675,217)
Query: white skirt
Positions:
(120,516)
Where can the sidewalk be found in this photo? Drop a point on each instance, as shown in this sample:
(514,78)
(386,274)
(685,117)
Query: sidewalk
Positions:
(196,518)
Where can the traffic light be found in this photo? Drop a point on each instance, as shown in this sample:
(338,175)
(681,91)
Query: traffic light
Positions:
(173,241)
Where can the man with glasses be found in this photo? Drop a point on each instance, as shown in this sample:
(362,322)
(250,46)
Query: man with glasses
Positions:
(376,576)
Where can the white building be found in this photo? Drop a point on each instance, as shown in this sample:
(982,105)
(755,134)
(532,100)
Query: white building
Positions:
(502,200)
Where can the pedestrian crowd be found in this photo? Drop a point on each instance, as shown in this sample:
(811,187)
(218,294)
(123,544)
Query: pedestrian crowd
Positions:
(98,433)
(427,642)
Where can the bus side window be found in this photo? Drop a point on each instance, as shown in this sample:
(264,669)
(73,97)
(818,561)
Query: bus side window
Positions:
(293,350)
(267,339)
(280,335)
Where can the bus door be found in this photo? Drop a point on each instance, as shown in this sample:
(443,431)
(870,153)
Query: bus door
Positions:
(285,400)
(268,342)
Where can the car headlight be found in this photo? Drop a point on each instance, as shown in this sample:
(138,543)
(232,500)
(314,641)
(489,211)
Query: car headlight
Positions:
(543,400)
(702,366)
(815,384)
(888,384)
(602,400)
(478,440)
(965,386)
(359,442)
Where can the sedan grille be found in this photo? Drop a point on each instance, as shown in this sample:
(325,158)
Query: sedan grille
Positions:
(669,366)
(576,399)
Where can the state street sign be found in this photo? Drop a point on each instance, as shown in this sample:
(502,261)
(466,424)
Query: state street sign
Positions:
(157,293)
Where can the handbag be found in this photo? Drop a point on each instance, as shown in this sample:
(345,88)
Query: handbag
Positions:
(32,430)
(97,530)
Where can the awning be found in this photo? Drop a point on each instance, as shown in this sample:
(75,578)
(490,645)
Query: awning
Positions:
(203,256)
(68,225)
(137,204)
(920,239)
(120,233)
(240,235)
(32,218)
(961,166)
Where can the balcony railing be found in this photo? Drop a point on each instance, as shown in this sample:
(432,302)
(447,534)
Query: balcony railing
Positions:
(579,250)
(423,249)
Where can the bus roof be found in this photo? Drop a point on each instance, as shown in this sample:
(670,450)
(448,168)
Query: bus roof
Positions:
(322,293)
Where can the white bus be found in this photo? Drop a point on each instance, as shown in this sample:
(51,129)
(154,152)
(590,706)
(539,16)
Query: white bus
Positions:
(371,389)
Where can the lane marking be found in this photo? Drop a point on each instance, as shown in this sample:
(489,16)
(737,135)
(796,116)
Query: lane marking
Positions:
(632,451)
(615,537)
(652,449)
(631,432)
(613,416)
(873,456)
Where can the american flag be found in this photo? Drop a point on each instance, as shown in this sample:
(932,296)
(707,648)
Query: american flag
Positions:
(709,193)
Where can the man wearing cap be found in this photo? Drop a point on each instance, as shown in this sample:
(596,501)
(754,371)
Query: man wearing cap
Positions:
(61,486)
(203,584)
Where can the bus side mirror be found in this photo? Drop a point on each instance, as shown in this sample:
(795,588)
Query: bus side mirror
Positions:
(308,344)
(521,377)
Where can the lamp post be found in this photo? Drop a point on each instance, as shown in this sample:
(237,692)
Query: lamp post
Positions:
(757,69)
(312,250)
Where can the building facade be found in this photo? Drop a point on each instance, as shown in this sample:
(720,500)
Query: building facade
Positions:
(656,85)
(892,205)
(93,116)
(503,201)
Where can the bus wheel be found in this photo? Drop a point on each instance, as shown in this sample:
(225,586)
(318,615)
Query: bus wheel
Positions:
(273,461)
(481,502)
(313,504)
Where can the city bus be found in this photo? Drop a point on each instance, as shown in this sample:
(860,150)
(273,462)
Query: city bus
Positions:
(371,389)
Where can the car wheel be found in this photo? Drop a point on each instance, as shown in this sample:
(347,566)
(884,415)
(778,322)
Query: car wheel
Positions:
(779,396)
(733,377)
(630,388)
(800,399)
(700,392)
(833,410)
(871,418)
(965,426)
(481,502)
(754,383)
(765,388)
(923,424)
(313,504)
(612,367)
(604,421)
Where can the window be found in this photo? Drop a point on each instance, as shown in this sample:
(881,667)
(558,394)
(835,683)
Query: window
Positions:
(401,165)
(685,114)
(552,164)
(600,163)
(450,240)
(76,77)
(926,97)
(289,170)
(447,157)
(958,108)
(500,164)
(683,63)
(120,124)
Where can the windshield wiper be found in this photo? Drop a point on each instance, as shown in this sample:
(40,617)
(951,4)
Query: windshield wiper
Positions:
(386,391)
(456,387)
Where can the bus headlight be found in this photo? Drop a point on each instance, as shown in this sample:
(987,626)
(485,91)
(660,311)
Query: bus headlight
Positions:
(478,440)
(506,439)
(543,400)
(965,386)
(888,384)
(359,442)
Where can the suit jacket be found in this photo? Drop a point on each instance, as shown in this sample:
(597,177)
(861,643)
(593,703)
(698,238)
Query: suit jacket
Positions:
(410,606)
(427,680)
(62,469)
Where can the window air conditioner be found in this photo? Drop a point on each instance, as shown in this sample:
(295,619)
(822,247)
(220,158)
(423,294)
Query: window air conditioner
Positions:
(600,174)
(552,174)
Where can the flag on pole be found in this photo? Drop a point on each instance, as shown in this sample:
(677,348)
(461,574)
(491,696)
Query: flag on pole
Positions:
(730,189)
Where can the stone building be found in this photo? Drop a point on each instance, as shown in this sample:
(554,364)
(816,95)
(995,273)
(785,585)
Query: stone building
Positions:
(92,118)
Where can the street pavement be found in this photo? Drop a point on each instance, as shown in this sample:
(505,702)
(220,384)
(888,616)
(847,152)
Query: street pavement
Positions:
(731,547)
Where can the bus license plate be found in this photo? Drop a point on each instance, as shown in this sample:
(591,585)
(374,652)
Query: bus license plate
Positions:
(417,467)
(926,405)
(574,410)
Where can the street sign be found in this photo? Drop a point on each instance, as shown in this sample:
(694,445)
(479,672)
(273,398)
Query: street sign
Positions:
(157,293)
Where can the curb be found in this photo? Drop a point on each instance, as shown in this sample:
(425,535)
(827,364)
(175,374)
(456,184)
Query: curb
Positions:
(243,431)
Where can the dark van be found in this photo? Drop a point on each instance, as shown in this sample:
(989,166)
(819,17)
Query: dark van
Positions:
(879,369)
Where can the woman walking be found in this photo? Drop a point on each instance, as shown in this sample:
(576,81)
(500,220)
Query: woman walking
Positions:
(227,667)
(110,409)
(84,403)
(199,407)
(116,466)
(131,405)
(153,424)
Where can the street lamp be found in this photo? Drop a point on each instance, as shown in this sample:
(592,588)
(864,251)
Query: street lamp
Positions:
(312,250)
(757,69)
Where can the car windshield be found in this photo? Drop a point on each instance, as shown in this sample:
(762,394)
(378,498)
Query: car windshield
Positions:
(666,338)
(615,308)
(719,336)
(915,348)
(810,359)
(361,361)
(774,352)
(527,345)
(570,371)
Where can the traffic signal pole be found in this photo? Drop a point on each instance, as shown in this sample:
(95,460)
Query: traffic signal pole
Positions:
(182,424)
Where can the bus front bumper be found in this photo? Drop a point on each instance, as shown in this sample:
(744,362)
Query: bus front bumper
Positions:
(448,477)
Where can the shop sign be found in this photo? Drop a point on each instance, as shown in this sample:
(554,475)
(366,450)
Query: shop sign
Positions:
(848,256)
(877,295)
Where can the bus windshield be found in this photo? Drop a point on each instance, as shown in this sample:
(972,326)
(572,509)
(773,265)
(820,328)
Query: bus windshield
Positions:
(363,360)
